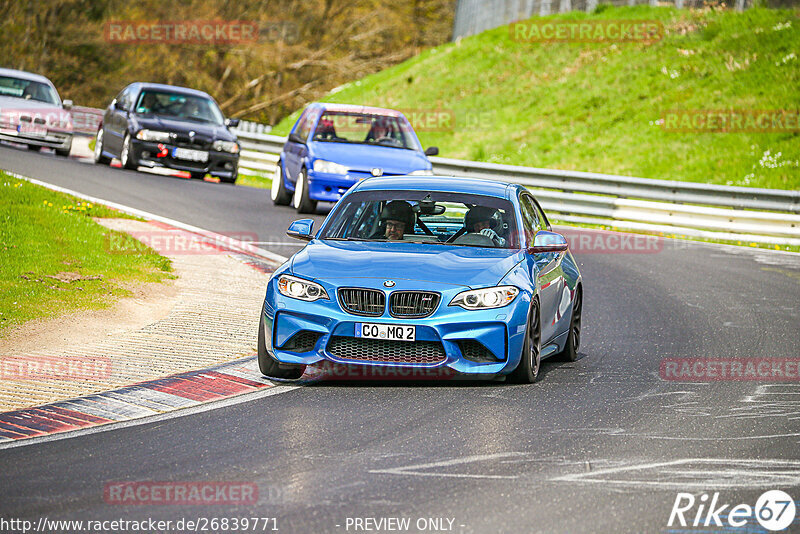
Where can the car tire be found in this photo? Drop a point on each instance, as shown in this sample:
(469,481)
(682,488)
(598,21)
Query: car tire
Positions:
(269,366)
(126,156)
(278,192)
(33,147)
(198,175)
(531,361)
(99,158)
(64,153)
(301,200)
(570,352)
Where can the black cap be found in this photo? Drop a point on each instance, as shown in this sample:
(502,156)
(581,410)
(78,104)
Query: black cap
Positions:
(399,210)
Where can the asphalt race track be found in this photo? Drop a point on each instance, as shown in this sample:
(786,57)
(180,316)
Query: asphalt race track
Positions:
(599,445)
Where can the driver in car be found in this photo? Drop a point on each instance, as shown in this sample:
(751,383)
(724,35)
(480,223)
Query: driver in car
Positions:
(483,220)
(148,103)
(398,217)
(380,130)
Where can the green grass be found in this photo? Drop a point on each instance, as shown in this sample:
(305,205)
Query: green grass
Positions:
(44,234)
(597,107)
(262,181)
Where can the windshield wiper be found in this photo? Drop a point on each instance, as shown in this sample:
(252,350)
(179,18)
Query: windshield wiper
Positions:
(348,239)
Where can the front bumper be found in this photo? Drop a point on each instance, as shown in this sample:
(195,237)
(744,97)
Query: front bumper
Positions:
(57,140)
(327,187)
(485,342)
(219,164)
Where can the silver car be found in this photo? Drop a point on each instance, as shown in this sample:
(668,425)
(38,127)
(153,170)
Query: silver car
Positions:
(32,113)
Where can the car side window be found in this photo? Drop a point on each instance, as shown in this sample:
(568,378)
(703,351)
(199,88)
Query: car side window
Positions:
(530,220)
(543,223)
(125,98)
(304,124)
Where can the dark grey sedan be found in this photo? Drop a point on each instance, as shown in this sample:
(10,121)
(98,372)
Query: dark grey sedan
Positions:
(155,125)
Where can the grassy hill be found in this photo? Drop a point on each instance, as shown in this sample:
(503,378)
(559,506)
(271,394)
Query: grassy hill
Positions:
(599,107)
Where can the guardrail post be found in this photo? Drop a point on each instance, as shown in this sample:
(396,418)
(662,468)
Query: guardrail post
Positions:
(591,5)
(544,8)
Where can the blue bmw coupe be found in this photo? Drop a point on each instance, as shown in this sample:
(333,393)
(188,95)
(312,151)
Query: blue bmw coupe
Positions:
(426,272)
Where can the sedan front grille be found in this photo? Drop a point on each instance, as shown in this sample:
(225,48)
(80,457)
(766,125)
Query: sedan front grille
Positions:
(413,304)
(197,142)
(382,350)
(362,301)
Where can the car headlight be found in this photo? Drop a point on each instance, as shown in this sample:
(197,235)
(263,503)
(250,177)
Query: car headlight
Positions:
(226,146)
(152,135)
(487,298)
(421,172)
(297,288)
(320,165)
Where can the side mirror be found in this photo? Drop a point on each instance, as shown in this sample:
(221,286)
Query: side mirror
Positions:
(231,123)
(548,242)
(432,151)
(67,104)
(294,138)
(301,229)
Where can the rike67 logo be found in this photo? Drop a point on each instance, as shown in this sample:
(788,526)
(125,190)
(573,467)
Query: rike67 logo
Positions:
(774,510)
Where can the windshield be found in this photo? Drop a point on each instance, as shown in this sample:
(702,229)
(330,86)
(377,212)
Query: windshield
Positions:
(179,106)
(439,218)
(362,128)
(28,90)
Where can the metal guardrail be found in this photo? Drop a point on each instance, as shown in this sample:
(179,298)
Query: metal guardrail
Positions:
(685,208)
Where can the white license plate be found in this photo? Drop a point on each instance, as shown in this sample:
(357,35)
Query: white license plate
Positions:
(392,332)
(189,154)
(32,130)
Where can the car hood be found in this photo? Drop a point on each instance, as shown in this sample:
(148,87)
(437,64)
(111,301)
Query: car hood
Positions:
(448,265)
(213,131)
(364,158)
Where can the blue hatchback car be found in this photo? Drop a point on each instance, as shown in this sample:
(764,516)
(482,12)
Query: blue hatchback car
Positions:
(333,146)
(424,272)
